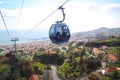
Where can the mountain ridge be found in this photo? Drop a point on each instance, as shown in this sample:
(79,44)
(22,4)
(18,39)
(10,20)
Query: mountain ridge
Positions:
(101,33)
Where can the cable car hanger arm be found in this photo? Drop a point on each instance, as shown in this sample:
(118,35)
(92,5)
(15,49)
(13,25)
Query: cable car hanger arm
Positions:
(61,8)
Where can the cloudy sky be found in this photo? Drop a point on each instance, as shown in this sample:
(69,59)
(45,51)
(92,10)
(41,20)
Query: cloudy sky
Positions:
(81,15)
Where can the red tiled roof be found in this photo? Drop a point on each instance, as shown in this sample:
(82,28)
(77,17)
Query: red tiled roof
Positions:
(34,77)
(112,57)
(110,69)
(96,51)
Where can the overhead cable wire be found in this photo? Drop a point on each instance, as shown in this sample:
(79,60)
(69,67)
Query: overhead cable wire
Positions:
(19,16)
(45,18)
(63,4)
(5,25)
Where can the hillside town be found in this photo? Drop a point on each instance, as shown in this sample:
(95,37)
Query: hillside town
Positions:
(75,60)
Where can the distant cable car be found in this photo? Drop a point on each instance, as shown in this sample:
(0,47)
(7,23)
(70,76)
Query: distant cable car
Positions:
(59,32)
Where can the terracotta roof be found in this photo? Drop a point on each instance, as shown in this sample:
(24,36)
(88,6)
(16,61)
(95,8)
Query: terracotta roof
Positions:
(112,57)
(34,77)
(110,69)
(96,51)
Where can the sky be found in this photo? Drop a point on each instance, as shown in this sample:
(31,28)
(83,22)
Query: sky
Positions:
(81,15)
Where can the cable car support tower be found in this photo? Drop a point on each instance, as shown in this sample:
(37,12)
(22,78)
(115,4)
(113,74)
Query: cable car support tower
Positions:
(14,40)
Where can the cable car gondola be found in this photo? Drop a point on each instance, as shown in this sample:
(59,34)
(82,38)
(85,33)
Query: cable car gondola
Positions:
(59,32)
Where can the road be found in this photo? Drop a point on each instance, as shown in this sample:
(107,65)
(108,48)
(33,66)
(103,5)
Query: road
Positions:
(54,73)
(47,75)
(90,54)
(51,74)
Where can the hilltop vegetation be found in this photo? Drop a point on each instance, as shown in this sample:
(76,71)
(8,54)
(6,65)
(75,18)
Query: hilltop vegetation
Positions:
(112,41)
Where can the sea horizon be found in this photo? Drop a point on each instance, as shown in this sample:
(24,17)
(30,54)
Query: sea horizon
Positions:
(33,36)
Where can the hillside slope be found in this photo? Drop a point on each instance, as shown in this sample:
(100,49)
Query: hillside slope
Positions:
(98,33)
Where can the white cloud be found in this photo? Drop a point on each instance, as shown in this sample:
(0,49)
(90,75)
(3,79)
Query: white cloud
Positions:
(32,16)
(0,2)
(90,16)
(10,17)
(111,7)
(29,17)
(79,16)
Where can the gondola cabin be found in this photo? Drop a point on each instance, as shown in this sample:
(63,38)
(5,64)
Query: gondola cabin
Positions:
(59,33)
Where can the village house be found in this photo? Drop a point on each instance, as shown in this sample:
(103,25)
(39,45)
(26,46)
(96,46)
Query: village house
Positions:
(104,47)
(97,51)
(111,58)
(108,70)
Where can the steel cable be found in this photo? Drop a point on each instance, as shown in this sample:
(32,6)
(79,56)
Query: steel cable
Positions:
(44,19)
(5,25)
